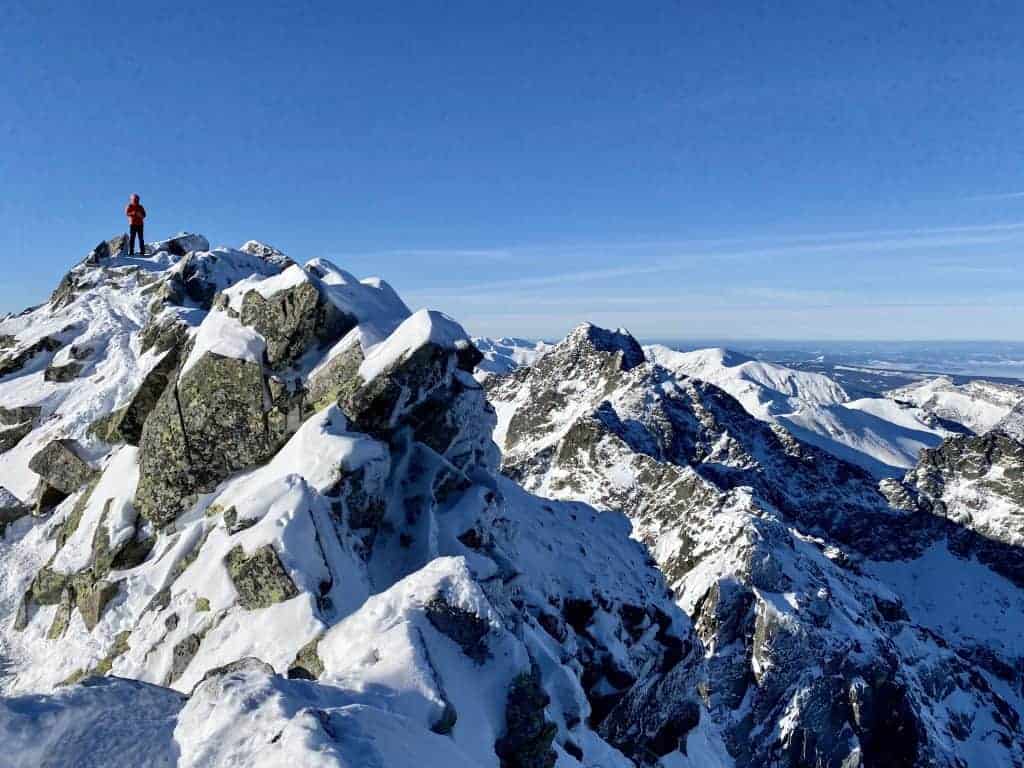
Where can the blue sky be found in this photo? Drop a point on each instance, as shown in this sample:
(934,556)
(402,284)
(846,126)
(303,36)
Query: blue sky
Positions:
(687,169)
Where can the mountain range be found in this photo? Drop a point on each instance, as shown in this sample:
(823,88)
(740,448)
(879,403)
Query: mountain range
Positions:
(257,513)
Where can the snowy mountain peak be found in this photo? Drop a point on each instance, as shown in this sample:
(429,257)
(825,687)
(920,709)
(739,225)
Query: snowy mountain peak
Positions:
(265,499)
(618,342)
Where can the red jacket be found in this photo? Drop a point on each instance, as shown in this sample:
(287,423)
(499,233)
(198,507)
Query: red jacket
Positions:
(135,213)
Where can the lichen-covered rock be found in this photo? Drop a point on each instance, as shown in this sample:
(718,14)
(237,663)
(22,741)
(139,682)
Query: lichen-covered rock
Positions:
(162,334)
(19,415)
(166,480)
(291,320)
(47,586)
(267,253)
(215,421)
(528,733)
(259,578)
(92,597)
(62,616)
(15,424)
(61,466)
(338,377)
(374,406)
(221,401)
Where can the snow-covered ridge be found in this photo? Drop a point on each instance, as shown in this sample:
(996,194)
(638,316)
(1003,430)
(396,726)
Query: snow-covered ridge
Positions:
(877,434)
(764,389)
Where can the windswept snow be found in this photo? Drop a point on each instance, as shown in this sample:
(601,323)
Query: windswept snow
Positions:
(266,287)
(423,327)
(221,334)
(372,302)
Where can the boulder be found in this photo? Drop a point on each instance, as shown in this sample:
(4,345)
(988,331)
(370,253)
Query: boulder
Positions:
(19,415)
(221,403)
(11,508)
(181,244)
(201,273)
(125,424)
(417,360)
(163,334)
(107,249)
(307,664)
(165,472)
(92,597)
(259,578)
(61,466)
(218,419)
(61,374)
(267,253)
(466,629)
(11,436)
(182,655)
(292,319)
(15,424)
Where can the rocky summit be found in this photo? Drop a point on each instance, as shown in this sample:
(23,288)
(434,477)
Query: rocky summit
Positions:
(258,512)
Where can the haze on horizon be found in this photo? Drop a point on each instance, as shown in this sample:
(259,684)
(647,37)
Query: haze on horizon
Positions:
(702,170)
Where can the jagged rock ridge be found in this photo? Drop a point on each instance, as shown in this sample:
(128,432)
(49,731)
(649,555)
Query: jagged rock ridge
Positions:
(845,621)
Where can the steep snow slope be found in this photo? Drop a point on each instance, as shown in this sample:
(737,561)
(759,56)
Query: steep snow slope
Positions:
(843,622)
(877,434)
(978,405)
(273,509)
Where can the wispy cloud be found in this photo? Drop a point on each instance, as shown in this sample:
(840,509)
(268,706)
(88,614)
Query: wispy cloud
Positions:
(935,239)
(998,196)
(512,252)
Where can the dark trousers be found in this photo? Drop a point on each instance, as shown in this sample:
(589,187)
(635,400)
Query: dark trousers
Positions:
(136,231)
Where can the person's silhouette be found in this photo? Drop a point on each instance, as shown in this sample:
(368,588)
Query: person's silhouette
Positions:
(136,216)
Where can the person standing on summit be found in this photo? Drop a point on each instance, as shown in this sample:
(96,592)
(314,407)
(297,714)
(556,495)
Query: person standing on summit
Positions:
(136,215)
